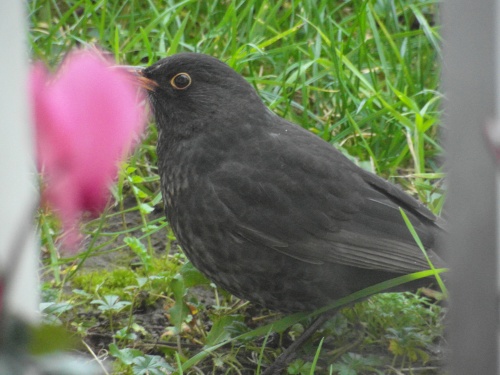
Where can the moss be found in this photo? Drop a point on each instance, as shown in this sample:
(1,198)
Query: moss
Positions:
(104,282)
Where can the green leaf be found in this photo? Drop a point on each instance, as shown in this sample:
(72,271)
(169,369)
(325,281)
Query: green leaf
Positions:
(174,44)
(110,303)
(180,310)
(421,247)
(219,330)
(140,250)
(146,208)
(191,276)
(126,355)
(151,365)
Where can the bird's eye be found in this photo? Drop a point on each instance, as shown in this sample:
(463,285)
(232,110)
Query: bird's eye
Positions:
(181,81)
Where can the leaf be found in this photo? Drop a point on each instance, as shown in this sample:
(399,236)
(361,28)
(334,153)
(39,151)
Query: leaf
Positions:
(219,330)
(111,303)
(191,276)
(55,308)
(146,208)
(421,247)
(353,364)
(174,43)
(124,355)
(299,367)
(151,365)
(180,310)
(140,250)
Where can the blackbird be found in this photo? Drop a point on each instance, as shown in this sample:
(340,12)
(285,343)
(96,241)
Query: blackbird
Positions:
(266,209)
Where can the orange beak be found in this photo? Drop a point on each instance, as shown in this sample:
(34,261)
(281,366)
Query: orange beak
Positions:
(145,82)
(137,72)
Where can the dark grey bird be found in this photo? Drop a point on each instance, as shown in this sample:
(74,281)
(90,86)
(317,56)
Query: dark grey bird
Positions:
(265,209)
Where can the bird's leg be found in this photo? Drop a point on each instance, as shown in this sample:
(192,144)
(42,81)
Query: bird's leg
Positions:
(289,354)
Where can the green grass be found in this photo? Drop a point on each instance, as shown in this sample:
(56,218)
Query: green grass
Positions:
(363,75)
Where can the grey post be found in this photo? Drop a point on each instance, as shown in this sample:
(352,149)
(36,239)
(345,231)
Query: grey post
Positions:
(469,83)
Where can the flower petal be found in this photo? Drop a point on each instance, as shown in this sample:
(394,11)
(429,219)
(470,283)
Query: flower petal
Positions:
(87,119)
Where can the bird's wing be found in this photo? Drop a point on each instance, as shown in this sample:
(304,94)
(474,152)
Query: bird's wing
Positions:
(351,249)
(317,212)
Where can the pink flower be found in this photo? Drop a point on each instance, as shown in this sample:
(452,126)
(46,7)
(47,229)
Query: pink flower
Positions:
(87,117)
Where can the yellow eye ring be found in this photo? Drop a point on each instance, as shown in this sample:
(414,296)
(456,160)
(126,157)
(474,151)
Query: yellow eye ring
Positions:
(181,81)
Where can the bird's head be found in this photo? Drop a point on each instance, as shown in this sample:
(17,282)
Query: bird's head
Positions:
(191,89)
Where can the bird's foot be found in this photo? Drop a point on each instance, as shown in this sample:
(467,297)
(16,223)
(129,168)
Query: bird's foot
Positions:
(289,354)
